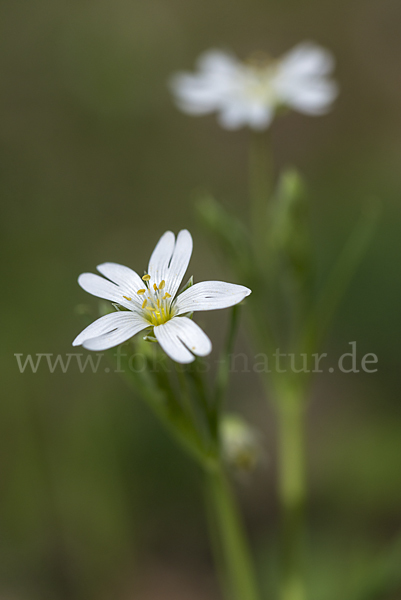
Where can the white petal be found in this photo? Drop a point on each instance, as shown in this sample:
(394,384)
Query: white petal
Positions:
(180,334)
(193,336)
(179,261)
(307,59)
(123,333)
(160,259)
(167,336)
(260,116)
(123,276)
(217,62)
(107,324)
(301,80)
(195,94)
(206,90)
(102,288)
(210,295)
(234,115)
(313,98)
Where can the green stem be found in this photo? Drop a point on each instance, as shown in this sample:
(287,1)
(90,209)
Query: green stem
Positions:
(227,531)
(260,177)
(260,189)
(292,492)
(289,394)
(232,554)
(165,407)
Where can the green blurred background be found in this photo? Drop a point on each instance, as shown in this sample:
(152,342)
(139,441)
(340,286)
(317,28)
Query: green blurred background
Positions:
(96,501)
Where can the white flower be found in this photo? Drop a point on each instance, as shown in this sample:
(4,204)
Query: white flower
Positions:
(152,301)
(249,93)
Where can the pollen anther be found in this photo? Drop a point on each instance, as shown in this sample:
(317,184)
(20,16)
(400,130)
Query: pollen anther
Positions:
(127,298)
(156,304)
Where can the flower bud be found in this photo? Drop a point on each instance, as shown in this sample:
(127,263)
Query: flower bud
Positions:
(241,447)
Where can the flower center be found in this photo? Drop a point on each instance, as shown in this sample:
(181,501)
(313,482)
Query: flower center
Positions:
(156,303)
(257,78)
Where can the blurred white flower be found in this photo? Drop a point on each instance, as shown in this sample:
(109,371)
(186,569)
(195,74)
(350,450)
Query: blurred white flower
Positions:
(152,302)
(249,93)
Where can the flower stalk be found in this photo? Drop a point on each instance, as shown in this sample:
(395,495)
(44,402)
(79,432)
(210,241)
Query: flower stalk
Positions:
(192,413)
(260,176)
(230,543)
(292,491)
(288,394)
(231,548)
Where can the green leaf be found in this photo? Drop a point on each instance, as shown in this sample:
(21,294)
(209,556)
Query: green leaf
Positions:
(340,277)
(229,233)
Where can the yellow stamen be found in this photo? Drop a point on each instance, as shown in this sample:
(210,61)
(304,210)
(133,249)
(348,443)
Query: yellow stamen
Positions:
(166,295)
(144,303)
(158,303)
(142,291)
(155,287)
(127,297)
(146,277)
(162,284)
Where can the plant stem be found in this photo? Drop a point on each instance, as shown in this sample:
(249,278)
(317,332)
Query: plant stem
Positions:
(260,178)
(232,554)
(289,396)
(292,492)
(165,408)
